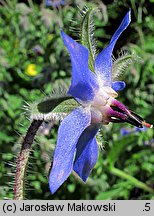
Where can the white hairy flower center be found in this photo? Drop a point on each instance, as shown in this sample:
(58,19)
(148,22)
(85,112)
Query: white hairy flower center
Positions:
(101,103)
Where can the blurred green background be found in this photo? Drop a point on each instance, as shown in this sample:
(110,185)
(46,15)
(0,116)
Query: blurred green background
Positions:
(33,58)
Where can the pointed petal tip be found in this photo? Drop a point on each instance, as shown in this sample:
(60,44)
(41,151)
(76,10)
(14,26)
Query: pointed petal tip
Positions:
(129,15)
(53,188)
(86,152)
(56,180)
(68,41)
(63,35)
(83,178)
(62,32)
(126,20)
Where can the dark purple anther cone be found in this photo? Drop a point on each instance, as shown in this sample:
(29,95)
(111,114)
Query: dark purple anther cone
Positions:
(119,113)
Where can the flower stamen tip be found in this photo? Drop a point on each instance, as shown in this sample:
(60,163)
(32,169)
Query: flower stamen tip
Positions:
(147,124)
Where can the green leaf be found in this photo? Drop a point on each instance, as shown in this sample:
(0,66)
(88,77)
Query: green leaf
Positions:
(148,167)
(131,179)
(118,147)
(108,195)
(87,40)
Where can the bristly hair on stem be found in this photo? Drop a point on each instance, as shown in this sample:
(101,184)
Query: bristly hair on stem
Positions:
(22,160)
(53,107)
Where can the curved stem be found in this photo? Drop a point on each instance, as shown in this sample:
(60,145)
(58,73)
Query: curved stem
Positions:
(22,160)
(132,179)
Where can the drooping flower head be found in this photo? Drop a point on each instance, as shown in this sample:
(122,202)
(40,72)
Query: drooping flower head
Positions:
(77,147)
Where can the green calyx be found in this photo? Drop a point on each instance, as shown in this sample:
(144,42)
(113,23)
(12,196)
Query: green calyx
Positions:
(87,33)
(121,63)
(53,108)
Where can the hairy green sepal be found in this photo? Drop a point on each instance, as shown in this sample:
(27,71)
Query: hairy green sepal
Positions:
(120,64)
(54,108)
(49,104)
(87,40)
(66,106)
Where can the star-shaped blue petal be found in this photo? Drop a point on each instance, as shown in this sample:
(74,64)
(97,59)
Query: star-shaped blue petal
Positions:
(83,80)
(103,62)
(69,133)
(87,152)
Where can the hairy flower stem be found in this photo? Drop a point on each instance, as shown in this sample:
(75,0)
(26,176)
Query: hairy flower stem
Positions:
(130,178)
(22,160)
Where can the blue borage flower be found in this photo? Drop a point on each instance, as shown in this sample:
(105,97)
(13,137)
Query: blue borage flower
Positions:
(77,147)
(54,3)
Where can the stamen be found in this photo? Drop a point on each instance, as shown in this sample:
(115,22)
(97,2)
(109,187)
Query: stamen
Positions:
(147,124)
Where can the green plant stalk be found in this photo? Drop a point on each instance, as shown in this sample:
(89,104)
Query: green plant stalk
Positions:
(132,179)
(22,160)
